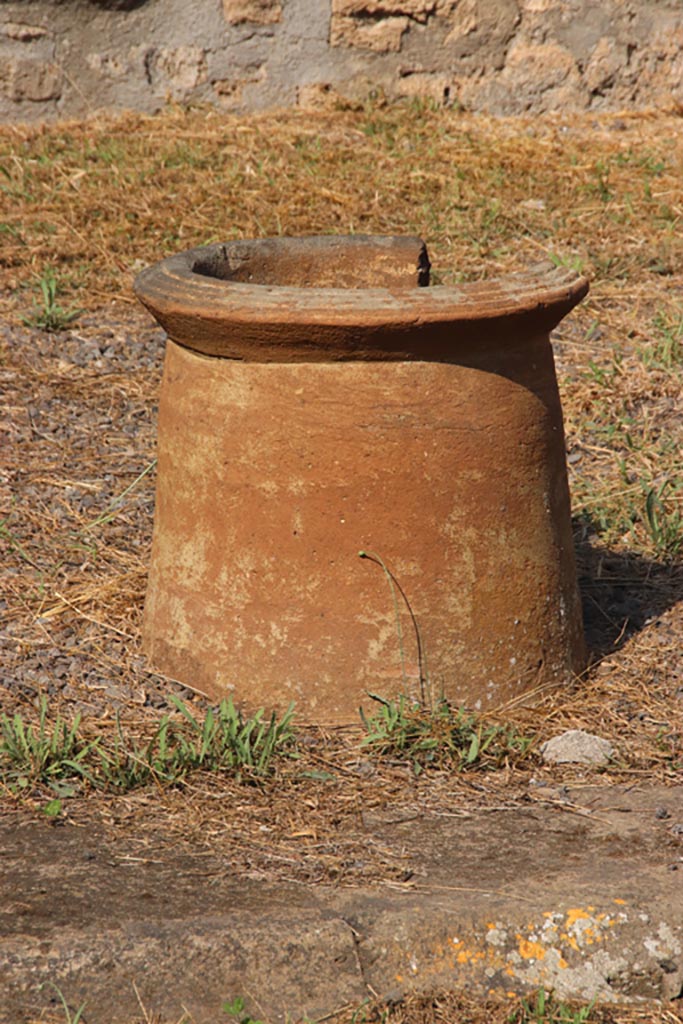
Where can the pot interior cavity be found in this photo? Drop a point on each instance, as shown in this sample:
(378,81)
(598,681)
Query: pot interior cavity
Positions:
(354,262)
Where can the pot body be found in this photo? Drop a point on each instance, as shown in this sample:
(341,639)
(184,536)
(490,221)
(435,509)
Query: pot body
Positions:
(329,528)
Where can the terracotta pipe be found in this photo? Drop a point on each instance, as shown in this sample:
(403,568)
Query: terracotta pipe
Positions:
(319,401)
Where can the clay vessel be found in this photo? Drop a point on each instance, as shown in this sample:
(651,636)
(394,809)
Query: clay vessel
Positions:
(319,401)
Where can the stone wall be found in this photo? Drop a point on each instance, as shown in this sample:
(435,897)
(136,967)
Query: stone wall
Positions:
(69,58)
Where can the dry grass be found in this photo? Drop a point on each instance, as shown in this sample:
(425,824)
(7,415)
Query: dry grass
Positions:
(462,1009)
(97,199)
(450,1008)
(92,202)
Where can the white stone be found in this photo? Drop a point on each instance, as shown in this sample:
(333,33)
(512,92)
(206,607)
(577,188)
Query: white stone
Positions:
(577,747)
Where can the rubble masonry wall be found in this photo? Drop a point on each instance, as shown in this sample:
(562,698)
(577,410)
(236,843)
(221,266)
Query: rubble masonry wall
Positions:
(71,58)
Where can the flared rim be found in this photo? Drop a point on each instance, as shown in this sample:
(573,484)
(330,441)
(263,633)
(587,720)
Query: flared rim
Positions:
(246,319)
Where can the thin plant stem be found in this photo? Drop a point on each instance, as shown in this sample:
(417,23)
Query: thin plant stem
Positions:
(425,690)
(393,584)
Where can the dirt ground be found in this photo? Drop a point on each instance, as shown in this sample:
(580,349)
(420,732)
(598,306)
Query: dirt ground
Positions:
(74,591)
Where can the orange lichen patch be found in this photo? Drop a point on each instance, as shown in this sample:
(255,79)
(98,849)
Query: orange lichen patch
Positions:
(576,914)
(530,950)
(536,952)
(621,903)
(470,956)
(584,928)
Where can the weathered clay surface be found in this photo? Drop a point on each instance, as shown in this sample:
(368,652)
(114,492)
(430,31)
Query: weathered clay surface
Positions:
(584,899)
(421,426)
(505,56)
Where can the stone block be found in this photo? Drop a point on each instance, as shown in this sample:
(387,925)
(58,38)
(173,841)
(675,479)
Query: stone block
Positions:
(379,36)
(183,68)
(606,61)
(376,25)
(464,21)
(535,68)
(24,79)
(483,28)
(108,65)
(535,77)
(258,12)
(229,92)
(542,6)
(23,33)
(658,68)
(432,85)
(418,10)
(318,96)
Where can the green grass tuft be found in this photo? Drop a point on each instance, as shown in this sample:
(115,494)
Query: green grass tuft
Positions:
(441,736)
(545,1009)
(222,740)
(50,316)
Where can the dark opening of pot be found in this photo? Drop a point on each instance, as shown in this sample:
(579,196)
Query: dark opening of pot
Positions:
(344,261)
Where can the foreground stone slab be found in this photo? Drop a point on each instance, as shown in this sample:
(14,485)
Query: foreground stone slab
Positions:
(585,898)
